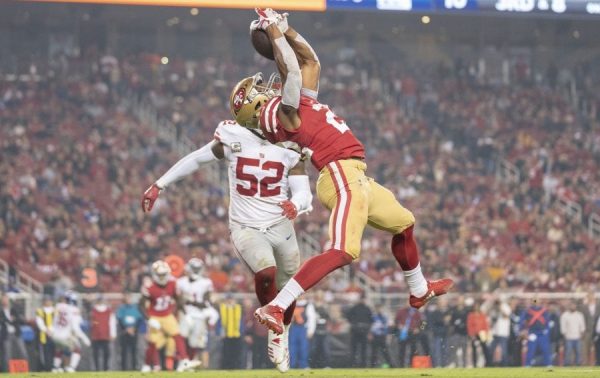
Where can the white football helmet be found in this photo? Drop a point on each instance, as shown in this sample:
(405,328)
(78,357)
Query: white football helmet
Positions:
(161,271)
(194,268)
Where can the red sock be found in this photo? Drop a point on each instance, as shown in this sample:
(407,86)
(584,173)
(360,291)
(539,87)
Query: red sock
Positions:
(151,355)
(405,249)
(180,347)
(289,313)
(317,267)
(264,285)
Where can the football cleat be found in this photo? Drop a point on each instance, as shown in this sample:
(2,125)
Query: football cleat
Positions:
(57,370)
(284,365)
(69,369)
(276,347)
(146,369)
(188,365)
(434,289)
(270,316)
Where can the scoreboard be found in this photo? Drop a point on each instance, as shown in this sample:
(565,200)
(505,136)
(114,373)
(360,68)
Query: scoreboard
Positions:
(534,7)
(574,8)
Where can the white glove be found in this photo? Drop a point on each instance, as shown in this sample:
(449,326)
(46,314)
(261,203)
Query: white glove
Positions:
(154,324)
(268,16)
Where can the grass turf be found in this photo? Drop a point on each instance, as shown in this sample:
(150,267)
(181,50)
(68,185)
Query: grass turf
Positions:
(583,372)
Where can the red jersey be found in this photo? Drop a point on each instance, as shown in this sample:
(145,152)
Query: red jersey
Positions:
(322,134)
(162,298)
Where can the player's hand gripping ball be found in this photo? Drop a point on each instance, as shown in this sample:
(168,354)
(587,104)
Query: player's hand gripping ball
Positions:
(262,43)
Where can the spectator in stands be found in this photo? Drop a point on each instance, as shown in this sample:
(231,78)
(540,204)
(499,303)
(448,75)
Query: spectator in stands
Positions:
(11,344)
(302,331)
(320,342)
(515,344)
(379,338)
(43,320)
(129,318)
(256,338)
(556,337)
(499,316)
(591,310)
(458,341)
(572,327)
(478,329)
(411,336)
(597,340)
(360,318)
(535,320)
(231,326)
(103,324)
(438,321)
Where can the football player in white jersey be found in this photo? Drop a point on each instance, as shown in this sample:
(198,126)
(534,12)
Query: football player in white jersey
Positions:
(195,289)
(260,211)
(67,334)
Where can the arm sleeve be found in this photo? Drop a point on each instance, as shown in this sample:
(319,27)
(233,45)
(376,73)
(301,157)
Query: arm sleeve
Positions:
(301,194)
(187,165)
(293,82)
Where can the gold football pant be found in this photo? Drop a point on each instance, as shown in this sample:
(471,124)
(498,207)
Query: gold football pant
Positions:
(164,335)
(356,200)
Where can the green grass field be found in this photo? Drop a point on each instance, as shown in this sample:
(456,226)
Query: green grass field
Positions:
(363,373)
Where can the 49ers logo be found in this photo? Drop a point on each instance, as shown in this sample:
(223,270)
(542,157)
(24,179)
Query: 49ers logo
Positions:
(238,99)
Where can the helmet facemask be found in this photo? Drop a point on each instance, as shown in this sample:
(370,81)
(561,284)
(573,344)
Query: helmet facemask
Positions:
(194,269)
(250,94)
(161,273)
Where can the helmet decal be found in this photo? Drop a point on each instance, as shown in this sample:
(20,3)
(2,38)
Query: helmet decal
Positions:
(238,99)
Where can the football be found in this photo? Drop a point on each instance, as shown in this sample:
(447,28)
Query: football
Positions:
(262,44)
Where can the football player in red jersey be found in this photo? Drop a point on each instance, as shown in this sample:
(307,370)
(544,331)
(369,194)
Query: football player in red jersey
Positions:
(158,303)
(354,199)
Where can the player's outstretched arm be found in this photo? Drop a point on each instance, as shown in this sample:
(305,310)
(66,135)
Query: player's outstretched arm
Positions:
(289,69)
(187,165)
(192,162)
(305,54)
(308,60)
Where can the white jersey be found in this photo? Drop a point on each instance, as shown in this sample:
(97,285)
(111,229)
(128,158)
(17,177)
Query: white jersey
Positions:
(193,292)
(67,322)
(258,175)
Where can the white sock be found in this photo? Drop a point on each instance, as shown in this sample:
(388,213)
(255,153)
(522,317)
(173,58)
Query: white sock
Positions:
(290,292)
(75,358)
(417,284)
(57,362)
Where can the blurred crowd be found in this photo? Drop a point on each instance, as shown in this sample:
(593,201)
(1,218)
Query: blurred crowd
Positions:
(76,159)
(491,330)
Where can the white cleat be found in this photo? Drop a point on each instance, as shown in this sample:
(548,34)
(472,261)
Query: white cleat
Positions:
(58,370)
(188,365)
(276,347)
(69,369)
(146,369)
(284,365)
